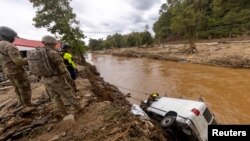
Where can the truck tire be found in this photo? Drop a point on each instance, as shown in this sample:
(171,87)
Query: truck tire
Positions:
(167,121)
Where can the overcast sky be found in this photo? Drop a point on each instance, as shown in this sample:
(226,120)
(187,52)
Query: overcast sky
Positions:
(98,18)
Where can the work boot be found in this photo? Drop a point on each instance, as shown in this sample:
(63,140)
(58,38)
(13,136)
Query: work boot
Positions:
(28,109)
(28,104)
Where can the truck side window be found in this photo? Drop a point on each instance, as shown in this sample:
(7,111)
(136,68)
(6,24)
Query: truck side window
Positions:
(208,116)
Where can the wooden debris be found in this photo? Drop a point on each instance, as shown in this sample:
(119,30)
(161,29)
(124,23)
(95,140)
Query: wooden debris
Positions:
(41,121)
(5,83)
(17,110)
(5,88)
(6,102)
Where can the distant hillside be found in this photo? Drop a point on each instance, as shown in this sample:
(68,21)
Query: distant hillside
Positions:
(211,19)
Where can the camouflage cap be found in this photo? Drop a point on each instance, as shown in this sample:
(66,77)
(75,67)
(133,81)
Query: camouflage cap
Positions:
(47,39)
(7,34)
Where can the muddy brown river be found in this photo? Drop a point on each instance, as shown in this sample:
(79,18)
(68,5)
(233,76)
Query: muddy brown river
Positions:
(226,91)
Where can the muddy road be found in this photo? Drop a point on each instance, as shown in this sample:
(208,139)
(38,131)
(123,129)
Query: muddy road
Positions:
(225,90)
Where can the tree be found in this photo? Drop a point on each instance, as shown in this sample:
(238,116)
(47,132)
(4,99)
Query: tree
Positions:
(95,44)
(146,38)
(187,17)
(58,17)
(117,40)
(208,19)
(131,40)
(146,28)
(162,26)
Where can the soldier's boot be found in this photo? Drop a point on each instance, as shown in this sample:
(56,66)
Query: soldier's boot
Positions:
(28,109)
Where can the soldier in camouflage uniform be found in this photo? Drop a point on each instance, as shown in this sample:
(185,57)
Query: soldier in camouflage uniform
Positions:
(12,63)
(59,85)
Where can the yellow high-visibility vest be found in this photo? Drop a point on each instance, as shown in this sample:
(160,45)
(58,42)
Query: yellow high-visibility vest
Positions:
(68,56)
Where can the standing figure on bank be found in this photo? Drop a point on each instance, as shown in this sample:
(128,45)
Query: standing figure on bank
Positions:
(69,61)
(13,66)
(48,64)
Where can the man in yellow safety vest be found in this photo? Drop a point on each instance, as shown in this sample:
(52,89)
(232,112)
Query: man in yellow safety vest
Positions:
(69,61)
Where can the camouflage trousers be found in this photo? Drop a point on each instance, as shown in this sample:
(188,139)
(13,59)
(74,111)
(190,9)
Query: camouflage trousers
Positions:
(58,88)
(22,87)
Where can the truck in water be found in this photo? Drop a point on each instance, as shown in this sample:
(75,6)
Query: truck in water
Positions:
(187,117)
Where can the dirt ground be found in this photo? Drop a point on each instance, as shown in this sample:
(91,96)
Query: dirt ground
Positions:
(220,53)
(106,115)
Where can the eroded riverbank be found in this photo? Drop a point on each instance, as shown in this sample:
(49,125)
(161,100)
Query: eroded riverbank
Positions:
(227,54)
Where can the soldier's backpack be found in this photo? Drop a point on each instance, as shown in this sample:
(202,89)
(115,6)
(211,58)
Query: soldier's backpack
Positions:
(39,63)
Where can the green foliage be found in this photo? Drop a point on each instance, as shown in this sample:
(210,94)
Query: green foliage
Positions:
(146,38)
(162,26)
(120,41)
(58,17)
(95,44)
(203,19)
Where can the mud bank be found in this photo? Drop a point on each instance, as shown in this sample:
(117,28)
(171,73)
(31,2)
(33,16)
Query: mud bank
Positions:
(227,54)
(106,115)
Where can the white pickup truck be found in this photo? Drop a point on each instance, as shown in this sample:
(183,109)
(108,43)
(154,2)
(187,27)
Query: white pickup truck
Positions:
(190,117)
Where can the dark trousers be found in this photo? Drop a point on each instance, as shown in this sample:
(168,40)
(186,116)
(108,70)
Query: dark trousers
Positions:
(72,72)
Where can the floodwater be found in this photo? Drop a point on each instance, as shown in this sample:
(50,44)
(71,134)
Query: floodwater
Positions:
(225,90)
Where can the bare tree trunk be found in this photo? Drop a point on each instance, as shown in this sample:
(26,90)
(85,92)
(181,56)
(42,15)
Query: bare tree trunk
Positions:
(192,47)
(80,59)
(80,55)
(83,59)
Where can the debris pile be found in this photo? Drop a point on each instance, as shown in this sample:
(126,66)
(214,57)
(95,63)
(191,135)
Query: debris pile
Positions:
(5,85)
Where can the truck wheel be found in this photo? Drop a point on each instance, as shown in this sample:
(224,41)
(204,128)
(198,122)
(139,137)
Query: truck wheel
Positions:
(167,121)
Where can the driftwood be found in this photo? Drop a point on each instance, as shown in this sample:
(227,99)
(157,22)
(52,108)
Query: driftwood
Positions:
(17,132)
(5,83)
(5,88)
(6,102)
(18,121)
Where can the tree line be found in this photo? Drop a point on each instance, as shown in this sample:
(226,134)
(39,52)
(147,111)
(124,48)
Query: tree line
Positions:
(121,41)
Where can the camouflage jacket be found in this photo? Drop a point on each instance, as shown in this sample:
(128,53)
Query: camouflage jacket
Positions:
(56,61)
(10,59)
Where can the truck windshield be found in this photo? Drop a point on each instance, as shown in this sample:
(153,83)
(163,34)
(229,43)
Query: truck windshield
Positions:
(208,116)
